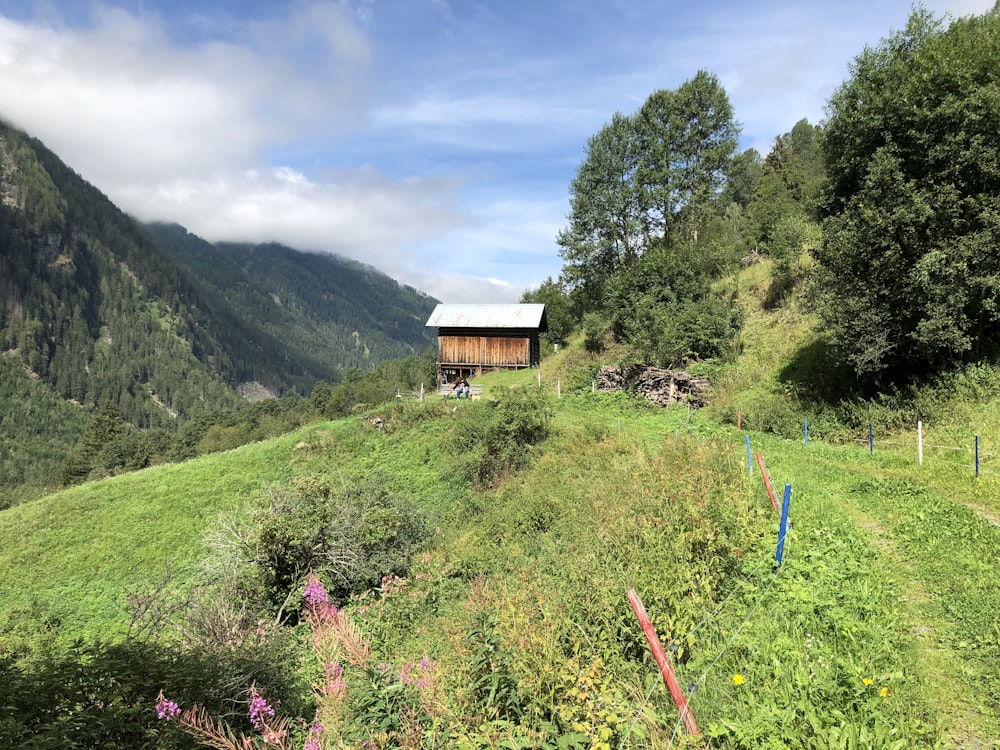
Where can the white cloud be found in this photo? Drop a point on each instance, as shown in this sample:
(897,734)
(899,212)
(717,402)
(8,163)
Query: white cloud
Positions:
(178,132)
(433,140)
(455,288)
(361,215)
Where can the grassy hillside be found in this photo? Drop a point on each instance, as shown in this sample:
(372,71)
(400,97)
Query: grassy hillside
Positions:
(879,629)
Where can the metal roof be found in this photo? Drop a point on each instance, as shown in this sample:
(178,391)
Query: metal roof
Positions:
(487,316)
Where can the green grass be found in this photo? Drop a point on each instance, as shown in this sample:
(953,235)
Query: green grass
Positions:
(78,552)
(920,528)
(891,572)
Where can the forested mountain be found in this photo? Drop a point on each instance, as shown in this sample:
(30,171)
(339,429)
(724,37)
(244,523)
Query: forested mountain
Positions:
(96,308)
(302,317)
(90,305)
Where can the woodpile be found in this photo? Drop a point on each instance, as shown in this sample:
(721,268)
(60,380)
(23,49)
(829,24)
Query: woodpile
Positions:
(662,387)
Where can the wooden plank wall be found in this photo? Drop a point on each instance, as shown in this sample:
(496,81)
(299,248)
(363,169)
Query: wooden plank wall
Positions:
(489,351)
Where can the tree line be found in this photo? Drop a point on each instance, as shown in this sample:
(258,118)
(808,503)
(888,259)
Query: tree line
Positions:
(885,214)
(111,445)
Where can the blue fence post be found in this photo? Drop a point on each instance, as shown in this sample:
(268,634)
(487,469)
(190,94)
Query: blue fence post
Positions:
(780,553)
(749,460)
(871,442)
(805,431)
(977,455)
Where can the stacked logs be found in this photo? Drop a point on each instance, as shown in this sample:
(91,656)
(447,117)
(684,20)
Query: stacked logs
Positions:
(662,387)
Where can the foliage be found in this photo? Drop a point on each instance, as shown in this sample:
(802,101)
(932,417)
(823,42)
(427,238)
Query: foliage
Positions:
(663,306)
(648,179)
(101,695)
(595,328)
(492,689)
(497,436)
(558,311)
(362,390)
(36,431)
(744,176)
(645,239)
(353,535)
(97,450)
(687,138)
(908,269)
(605,230)
(821,683)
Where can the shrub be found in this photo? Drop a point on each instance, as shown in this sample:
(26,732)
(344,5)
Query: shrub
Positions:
(594,330)
(351,536)
(98,695)
(499,434)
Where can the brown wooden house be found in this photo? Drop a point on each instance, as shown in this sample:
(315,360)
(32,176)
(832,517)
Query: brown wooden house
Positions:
(473,339)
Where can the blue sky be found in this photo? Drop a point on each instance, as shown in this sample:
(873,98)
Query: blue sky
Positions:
(432,139)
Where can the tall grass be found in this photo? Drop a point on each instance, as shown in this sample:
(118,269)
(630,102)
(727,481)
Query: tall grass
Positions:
(519,599)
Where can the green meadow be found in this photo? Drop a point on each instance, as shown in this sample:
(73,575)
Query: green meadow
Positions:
(878,630)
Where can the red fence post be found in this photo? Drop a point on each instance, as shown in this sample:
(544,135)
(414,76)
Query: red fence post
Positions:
(767,482)
(663,663)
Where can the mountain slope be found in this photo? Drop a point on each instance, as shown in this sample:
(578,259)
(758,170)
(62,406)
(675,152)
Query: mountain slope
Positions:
(94,309)
(90,305)
(314,315)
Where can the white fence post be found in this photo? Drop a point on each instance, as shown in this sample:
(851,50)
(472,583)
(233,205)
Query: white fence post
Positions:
(920,443)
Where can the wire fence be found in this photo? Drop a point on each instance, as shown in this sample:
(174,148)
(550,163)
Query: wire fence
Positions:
(697,694)
(695,687)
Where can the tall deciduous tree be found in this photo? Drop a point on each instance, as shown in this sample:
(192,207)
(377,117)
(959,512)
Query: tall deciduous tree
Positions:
(647,179)
(910,274)
(605,230)
(744,175)
(688,137)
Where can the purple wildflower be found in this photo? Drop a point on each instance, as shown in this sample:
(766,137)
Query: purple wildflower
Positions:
(405,675)
(260,711)
(335,686)
(314,593)
(167,710)
(314,731)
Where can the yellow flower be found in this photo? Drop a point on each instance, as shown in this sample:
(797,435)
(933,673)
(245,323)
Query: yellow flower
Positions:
(867,680)
(884,692)
(738,679)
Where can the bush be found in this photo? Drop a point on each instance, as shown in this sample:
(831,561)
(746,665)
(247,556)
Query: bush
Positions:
(594,330)
(499,434)
(99,695)
(351,537)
